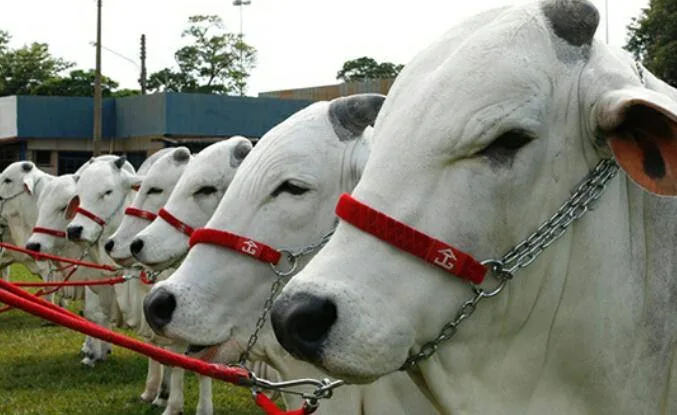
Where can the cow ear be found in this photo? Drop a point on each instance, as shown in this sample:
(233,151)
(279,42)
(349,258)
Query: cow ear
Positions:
(351,115)
(640,128)
(72,207)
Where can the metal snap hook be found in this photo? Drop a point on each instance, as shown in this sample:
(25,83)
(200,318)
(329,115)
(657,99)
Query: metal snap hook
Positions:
(292,264)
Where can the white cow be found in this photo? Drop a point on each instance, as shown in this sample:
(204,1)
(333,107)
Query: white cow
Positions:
(283,196)
(21,183)
(482,139)
(163,244)
(158,183)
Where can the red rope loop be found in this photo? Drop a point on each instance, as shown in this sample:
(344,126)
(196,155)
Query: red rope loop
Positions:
(237,243)
(139,213)
(408,239)
(175,222)
(107,281)
(48,231)
(91,216)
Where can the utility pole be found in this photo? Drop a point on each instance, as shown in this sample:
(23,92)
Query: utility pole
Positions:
(96,150)
(241,4)
(142,80)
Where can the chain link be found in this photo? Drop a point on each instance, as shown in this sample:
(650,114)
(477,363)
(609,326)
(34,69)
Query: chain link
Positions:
(588,191)
(292,259)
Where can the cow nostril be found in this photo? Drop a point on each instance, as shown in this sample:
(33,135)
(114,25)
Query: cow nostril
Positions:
(109,245)
(302,323)
(33,246)
(74,232)
(158,308)
(136,246)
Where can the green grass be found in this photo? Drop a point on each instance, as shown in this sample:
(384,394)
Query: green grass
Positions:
(41,374)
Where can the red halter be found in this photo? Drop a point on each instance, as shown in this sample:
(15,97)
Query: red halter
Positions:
(408,239)
(48,231)
(91,216)
(143,214)
(237,243)
(175,222)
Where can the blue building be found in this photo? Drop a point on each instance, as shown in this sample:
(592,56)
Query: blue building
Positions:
(56,132)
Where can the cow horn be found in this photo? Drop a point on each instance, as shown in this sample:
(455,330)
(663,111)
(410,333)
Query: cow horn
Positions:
(240,152)
(351,115)
(575,21)
(26,167)
(120,161)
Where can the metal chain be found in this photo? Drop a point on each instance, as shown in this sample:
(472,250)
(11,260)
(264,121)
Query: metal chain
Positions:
(588,191)
(292,258)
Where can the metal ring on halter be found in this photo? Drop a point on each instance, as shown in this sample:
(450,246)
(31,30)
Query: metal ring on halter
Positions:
(496,269)
(293,262)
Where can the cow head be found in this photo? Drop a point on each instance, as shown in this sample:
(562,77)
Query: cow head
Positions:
(193,201)
(158,183)
(482,138)
(19,182)
(56,208)
(102,189)
(283,196)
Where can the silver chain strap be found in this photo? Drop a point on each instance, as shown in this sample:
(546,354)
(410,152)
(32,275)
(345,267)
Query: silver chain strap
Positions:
(292,260)
(588,191)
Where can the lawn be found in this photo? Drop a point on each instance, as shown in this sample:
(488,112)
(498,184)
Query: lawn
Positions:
(40,373)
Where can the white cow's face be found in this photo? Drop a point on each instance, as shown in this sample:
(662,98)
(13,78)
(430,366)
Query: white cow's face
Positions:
(482,137)
(193,201)
(283,195)
(17,181)
(55,210)
(155,189)
(102,189)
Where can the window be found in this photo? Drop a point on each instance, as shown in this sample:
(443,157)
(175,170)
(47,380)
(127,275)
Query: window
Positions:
(42,157)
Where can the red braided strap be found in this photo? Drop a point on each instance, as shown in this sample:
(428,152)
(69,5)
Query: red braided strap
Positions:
(408,239)
(143,214)
(269,407)
(237,243)
(48,231)
(91,216)
(176,223)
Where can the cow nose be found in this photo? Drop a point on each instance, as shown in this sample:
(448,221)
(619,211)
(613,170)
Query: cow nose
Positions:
(109,245)
(302,323)
(136,246)
(33,246)
(74,232)
(158,307)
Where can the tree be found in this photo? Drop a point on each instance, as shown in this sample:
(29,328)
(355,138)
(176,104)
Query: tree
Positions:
(209,63)
(367,68)
(24,69)
(78,83)
(653,39)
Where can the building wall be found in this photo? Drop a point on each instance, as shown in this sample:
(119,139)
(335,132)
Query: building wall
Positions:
(329,92)
(8,111)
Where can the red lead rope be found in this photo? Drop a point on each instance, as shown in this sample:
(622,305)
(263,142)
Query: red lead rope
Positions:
(40,256)
(408,239)
(16,297)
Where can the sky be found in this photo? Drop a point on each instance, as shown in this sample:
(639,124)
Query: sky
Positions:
(300,43)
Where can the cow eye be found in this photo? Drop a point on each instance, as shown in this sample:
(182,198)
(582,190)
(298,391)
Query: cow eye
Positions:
(507,143)
(8,180)
(108,192)
(63,209)
(205,191)
(154,190)
(289,187)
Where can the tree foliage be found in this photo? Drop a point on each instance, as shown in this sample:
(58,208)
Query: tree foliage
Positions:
(33,70)
(367,68)
(653,39)
(78,83)
(210,62)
